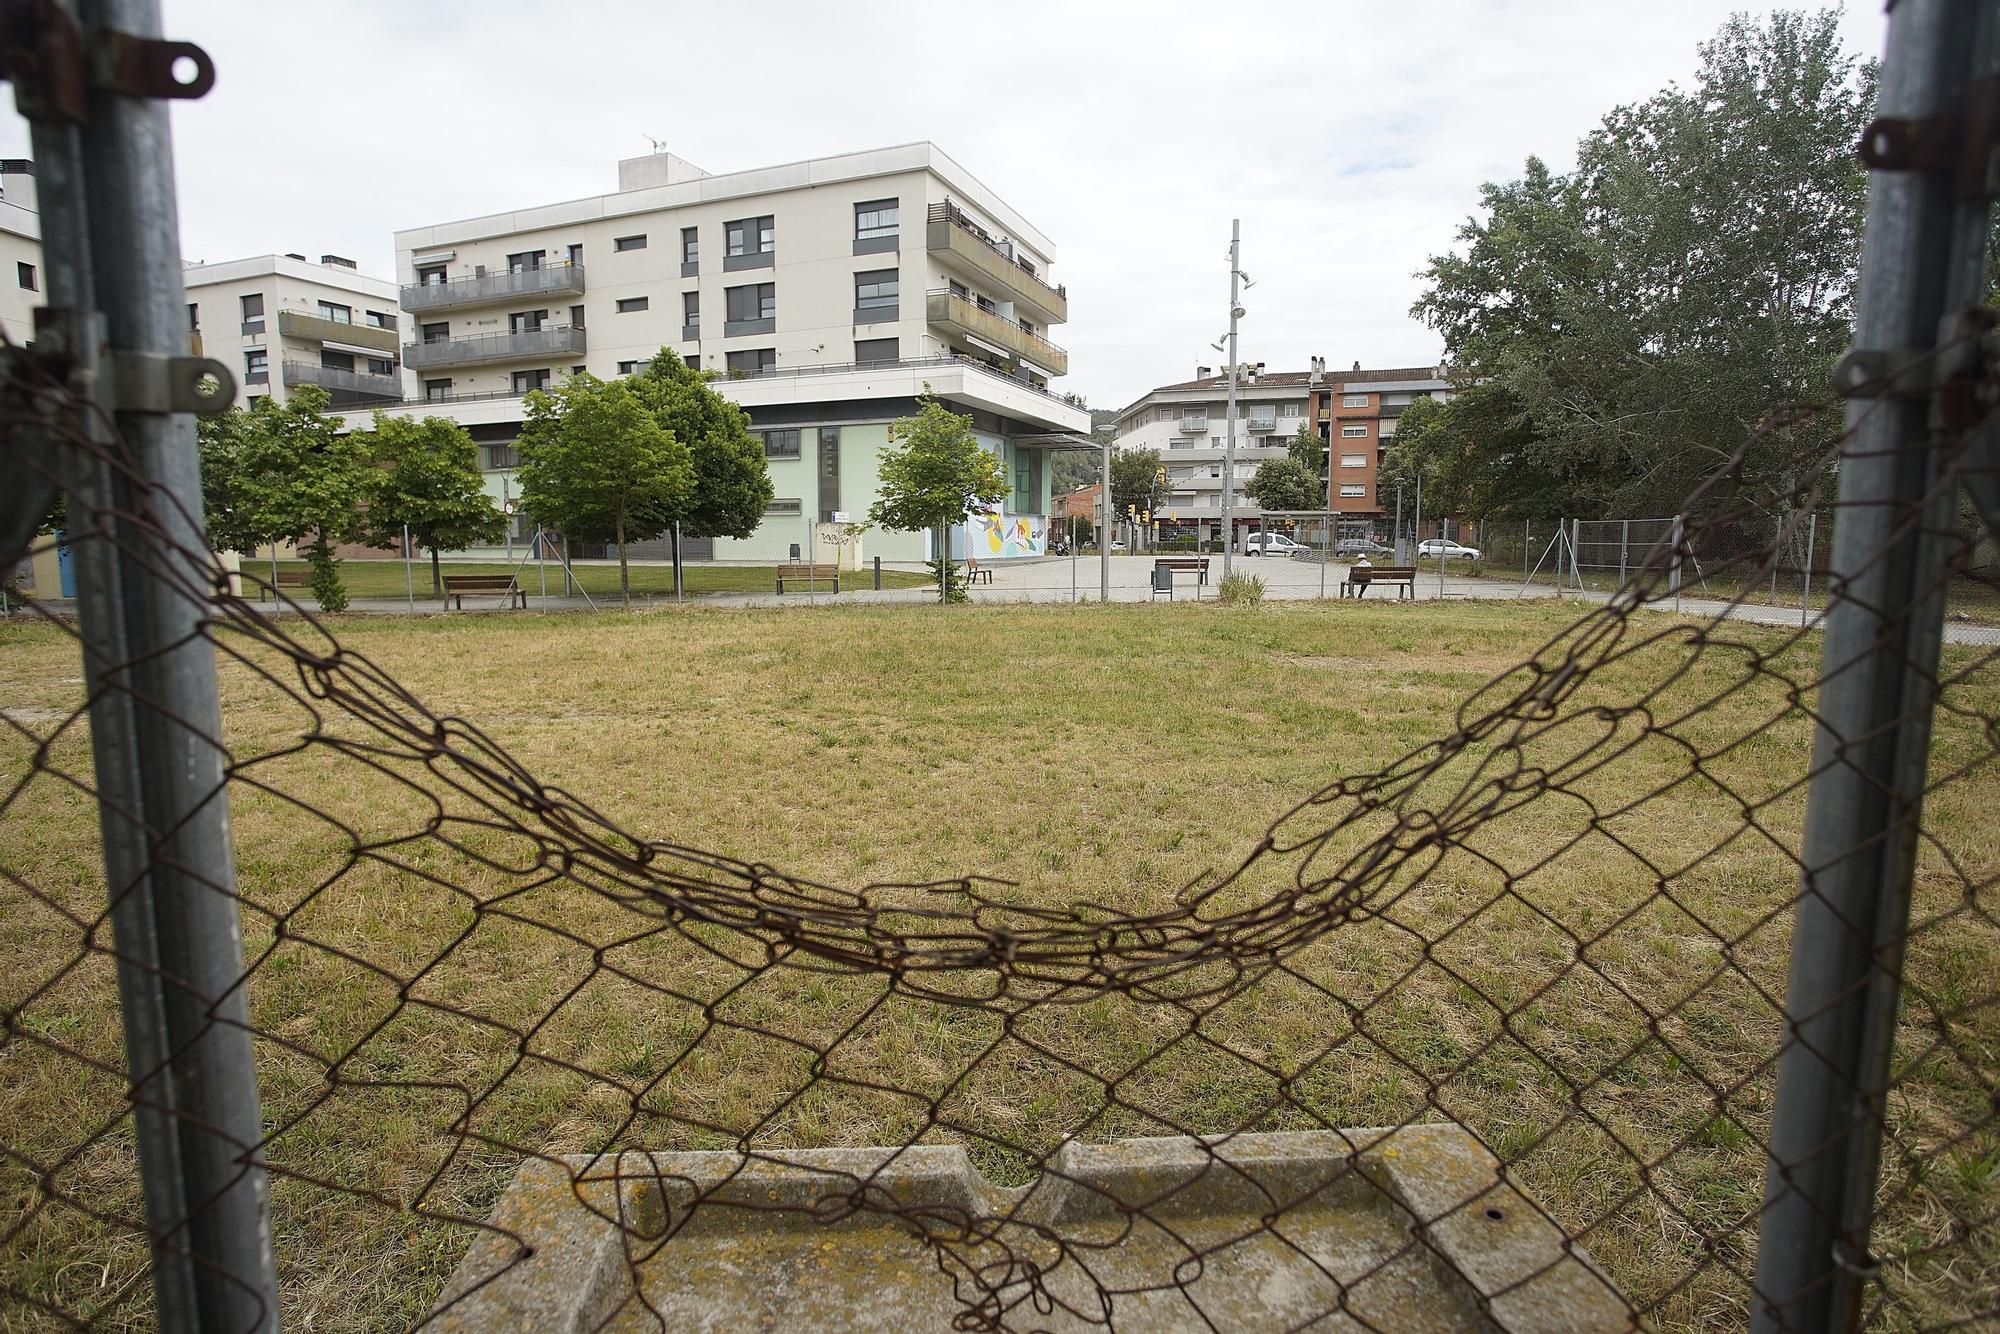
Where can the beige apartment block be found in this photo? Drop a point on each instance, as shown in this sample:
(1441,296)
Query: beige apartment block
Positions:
(20,251)
(824,296)
(282,321)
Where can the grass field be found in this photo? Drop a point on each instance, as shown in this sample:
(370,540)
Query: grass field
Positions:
(386,579)
(1111,756)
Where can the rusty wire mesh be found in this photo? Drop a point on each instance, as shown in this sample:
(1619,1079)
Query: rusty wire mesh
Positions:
(1562,925)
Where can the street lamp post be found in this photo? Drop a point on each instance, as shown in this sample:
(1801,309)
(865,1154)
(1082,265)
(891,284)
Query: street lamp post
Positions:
(1229,449)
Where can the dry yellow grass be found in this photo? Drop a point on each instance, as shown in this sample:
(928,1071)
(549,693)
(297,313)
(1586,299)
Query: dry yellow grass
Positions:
(1610,1039)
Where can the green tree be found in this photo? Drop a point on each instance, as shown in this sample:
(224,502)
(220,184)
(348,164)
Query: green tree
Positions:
(1135,480)
(292,475)
(428,480)
(1645,313)
(932,474)
(219,442)
(1284,484)
(597,466)
(732,481)
(1306,449)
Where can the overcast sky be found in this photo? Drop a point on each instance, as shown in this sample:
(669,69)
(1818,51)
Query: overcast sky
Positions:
(1350,137)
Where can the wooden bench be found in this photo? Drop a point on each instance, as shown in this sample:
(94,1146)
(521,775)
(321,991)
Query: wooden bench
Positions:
(1358,579)
(285,579)
(456,586)
(802,572)
(976,574)
(1195,565)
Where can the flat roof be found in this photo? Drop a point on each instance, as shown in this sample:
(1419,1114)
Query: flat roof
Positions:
(860,165)
(284,266)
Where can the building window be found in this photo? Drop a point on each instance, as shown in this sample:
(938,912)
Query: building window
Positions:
(257,366)
(431,275)
(381,366)
(381,319)
(526,261)
(527,321)
(336,361)
(437,390)
(251,401)
(630,243)
(785,505)
(576,317)
(194,317)
(1353,460)
(781,444)
(692,360)
(526,380)
(690,314)
(253,313)
(753,361)
(749,236)
(576,255)
(628,367)
(1353,490)
(957,288)
(690,246)
(337,313)
(1289,410)
(1354,400)
(627,305)
(868,350)
(502,456)
(757,301)
(876,218)
(876,289)
(1353,432)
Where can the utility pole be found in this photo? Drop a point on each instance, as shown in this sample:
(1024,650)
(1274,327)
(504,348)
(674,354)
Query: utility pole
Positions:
(1229,449)
(1104,529)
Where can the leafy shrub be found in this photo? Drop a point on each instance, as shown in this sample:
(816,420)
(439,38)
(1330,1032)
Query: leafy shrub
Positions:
(1241,590)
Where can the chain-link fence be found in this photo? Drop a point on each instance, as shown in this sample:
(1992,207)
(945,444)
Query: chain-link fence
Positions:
(1689,924)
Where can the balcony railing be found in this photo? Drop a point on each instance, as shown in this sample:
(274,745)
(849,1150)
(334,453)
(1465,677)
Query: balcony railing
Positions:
(821,368)
(488,288)
(319,329)
(1261,424)
(362,384)
(952,232)
(548,341)
(955,312)
(1191,426)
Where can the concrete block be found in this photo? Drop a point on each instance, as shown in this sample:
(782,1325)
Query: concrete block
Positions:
(1411,1229)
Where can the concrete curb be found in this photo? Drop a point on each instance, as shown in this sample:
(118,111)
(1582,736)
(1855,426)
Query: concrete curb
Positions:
(1254,1230)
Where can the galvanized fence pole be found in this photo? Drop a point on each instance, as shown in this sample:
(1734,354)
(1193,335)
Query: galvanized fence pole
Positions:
(1805,587)
(1678,533)
(111,250)
(1922,267)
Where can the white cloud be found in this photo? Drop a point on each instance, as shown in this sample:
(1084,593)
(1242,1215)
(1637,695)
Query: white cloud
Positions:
(1351,138)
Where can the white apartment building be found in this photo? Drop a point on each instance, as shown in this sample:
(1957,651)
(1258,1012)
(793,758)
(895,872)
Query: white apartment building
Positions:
(1188,424)
(281,321)
(824,295)
(20,251)
(1353,412)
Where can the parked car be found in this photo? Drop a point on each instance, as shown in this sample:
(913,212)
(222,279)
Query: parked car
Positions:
(1446,548)
(1362,546)
(1271,544)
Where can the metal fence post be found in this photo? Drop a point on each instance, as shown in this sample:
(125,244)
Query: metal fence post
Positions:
(1922,264)
(111,244)
(1805,588)
(1676,534)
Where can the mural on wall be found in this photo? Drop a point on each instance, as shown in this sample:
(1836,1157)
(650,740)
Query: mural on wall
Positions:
(995,534)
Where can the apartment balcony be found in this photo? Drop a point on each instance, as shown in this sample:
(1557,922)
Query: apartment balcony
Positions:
(488,289)
(1191,426)
(551,340)
(345,384)
(314,329)
(960,242)
(1261,425)
(950,311)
